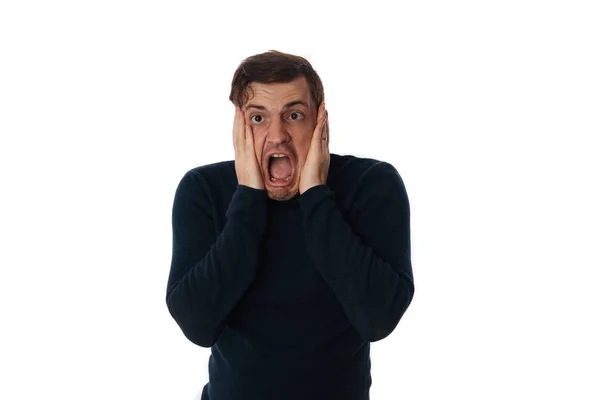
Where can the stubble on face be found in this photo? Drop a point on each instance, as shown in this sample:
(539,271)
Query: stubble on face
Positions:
(279,132)
(283,193)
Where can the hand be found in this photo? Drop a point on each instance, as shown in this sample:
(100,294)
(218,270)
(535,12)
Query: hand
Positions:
(316,167)
(246,164)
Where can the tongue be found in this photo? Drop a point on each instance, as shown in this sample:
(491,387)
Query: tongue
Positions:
(280,167)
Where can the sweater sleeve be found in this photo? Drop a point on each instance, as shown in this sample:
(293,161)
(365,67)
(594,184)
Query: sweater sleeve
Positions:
(368,264)
(210,271)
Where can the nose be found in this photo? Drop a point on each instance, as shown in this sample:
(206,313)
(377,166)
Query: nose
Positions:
(277,132)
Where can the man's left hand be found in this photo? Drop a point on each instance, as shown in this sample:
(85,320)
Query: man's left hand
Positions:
(316,167)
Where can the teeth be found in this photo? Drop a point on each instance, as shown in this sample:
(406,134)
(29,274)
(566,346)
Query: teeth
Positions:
(286,179)
(278,155)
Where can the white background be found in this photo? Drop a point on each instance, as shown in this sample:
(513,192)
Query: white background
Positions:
(489,111)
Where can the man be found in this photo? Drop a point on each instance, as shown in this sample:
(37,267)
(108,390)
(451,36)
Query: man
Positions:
(289,260)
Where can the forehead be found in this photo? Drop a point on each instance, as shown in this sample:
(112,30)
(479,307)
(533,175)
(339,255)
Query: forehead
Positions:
(276,95)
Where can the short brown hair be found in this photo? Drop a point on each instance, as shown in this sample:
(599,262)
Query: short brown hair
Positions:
(273,67)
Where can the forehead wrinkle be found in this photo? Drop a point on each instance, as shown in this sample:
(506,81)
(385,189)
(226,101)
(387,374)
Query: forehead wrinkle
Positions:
(263,94)
(287,103)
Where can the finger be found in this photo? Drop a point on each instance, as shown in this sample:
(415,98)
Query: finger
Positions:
(318,133)
(237,125)
(325,134)
(249,137)
(319,117)
(320,111)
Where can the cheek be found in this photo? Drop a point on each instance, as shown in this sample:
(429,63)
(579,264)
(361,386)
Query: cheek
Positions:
(301,141)
(258,150)
(259,143)
(306,140)
(302,151)
(302,136)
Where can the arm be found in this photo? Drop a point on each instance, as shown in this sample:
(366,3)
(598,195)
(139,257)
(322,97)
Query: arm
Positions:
(367,265)
(210,273)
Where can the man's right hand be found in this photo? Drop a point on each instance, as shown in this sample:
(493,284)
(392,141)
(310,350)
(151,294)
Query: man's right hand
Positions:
(246,164)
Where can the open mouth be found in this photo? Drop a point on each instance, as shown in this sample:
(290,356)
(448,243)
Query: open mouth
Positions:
(280,168)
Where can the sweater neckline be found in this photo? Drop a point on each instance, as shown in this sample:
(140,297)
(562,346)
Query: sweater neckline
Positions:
(283,205)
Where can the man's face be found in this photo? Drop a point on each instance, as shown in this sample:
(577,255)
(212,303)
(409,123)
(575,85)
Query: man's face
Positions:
(283,117)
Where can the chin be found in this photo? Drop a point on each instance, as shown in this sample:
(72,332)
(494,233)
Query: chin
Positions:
(282,193)
(282,196)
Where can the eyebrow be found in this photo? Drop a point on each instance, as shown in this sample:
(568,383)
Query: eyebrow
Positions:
(288,105)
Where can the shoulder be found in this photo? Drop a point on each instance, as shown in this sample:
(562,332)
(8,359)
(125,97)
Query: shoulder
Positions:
(213,176)
(211,183)
(350,173)
(363,186)
(214,171)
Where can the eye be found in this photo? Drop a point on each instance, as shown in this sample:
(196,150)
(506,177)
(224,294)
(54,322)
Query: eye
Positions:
(297,114)
(255,116)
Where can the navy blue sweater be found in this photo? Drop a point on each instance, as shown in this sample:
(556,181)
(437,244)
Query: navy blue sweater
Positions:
(289,294)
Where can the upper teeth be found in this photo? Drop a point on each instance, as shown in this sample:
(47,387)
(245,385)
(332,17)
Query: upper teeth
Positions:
(278,155)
